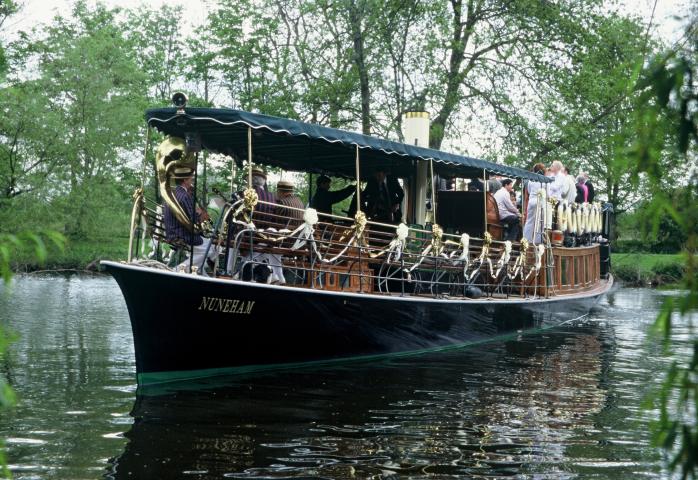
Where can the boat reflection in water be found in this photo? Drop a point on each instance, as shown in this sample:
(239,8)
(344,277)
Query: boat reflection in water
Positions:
(515,406)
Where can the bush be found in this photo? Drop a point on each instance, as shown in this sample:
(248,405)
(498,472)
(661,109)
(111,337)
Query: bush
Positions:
(630,246)
(642,269)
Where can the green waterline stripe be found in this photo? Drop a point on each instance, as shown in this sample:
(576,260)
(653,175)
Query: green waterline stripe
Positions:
(154,379)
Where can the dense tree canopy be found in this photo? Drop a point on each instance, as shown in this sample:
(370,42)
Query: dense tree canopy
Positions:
(513,81)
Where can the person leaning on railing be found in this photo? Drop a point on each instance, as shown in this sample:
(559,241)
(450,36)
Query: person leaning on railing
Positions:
(323,199)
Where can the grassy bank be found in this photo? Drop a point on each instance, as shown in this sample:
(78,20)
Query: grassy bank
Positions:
(643,269)
(77,255)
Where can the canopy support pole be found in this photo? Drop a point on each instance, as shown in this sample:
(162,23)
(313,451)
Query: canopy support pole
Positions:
(249,185)
(433,188)
(358,182)
(232,176)
(484,189)
(358,209)
(249,157)
(192,220)
(135,232)
(145,156)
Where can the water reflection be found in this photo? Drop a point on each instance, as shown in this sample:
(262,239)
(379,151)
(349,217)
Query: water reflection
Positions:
(501,409)
(557,404)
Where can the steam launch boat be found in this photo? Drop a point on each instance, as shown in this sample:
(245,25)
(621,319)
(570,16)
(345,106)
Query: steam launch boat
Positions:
(266,284)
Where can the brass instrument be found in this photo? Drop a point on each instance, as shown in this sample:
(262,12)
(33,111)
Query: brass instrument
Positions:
(172,161)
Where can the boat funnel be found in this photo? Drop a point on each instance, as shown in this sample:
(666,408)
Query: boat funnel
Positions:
(415,131)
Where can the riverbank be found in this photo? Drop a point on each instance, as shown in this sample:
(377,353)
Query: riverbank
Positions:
(647,269)
(77,255)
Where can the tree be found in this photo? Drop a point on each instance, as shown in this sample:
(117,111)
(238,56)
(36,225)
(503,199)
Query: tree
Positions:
(587,108)
(90,92)
(7,8)
(159,47)
(666,132)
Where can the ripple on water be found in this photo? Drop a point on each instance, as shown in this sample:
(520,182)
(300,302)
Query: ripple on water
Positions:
(559,404)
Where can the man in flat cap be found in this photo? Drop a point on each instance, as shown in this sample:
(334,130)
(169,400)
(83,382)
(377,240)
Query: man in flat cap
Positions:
(286,198)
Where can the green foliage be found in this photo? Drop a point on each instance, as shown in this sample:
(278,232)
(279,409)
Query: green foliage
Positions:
(655,232)
(644,269)
(7,8)
(666,127)
(27,243)
(68,129)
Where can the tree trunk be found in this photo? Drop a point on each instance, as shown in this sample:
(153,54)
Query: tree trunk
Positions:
(360,62)
(453,76)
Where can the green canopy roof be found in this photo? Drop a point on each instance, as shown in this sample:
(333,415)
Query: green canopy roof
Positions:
(299,146)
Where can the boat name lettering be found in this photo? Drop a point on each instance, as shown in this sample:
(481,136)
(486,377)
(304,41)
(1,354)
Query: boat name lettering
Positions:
(226,305)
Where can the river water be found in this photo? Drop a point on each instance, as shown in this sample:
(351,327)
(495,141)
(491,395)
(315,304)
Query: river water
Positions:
(564,403)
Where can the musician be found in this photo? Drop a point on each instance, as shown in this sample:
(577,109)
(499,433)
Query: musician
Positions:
(382,197)
(178,233)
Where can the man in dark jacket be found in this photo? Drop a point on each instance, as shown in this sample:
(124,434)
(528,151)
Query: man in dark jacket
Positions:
(324,199)
(382,197)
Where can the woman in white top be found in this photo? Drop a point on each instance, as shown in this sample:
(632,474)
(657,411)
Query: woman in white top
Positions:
(532,188)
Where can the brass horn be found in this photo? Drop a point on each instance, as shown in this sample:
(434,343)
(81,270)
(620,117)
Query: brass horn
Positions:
(172,161)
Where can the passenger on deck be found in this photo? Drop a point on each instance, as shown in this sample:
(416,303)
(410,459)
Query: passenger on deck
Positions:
(531,227)
(514,201)
(263,214)
(178,233)
(382,197)
(324,199)
(508,213)
(286,198)
(582,190)
(590,188)
(569,191)
(557,187)
(493,185)
(447,182)
(259,183)
(475,185)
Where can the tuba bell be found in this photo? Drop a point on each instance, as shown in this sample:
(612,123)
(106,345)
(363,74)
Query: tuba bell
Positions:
(172,161)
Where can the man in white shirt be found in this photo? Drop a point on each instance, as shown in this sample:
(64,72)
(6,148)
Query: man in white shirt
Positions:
(556,188)
(569,192)
(508,213)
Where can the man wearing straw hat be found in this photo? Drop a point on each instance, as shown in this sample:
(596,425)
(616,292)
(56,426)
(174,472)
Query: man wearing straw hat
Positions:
(286,197)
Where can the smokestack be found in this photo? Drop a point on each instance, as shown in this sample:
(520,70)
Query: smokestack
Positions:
(415,130)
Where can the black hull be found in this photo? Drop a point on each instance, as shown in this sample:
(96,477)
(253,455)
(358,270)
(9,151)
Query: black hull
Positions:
(186,326)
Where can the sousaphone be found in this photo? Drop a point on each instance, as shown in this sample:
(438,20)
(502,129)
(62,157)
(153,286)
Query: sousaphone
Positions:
(172,162)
